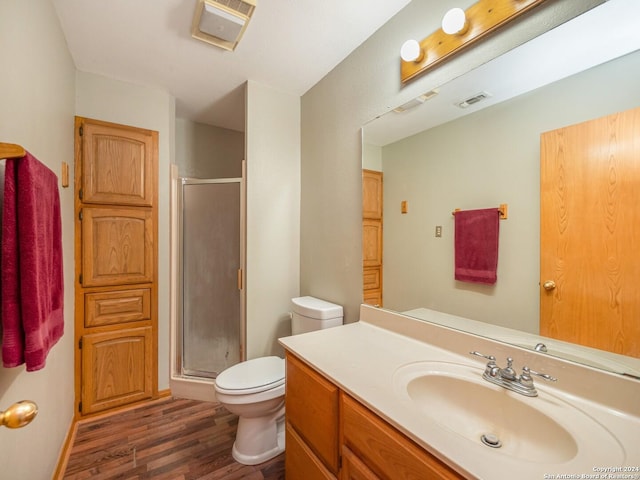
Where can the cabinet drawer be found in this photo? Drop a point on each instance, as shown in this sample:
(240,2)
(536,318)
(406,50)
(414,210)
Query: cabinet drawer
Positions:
(108,308)
(311,407)
(300,462)
(353,468)
(372,278)
(387,452)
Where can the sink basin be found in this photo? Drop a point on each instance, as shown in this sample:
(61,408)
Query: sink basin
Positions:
(543,429)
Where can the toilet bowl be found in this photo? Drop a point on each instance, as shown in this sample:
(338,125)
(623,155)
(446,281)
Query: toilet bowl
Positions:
(254,390)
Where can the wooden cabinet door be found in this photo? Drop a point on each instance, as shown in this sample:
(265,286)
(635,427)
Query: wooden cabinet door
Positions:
(371,243)
(371,194)
(311,406)
(118,164)
(117,246)
(116,368)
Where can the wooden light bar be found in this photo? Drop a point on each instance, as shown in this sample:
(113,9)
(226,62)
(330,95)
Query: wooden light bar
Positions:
(484,17)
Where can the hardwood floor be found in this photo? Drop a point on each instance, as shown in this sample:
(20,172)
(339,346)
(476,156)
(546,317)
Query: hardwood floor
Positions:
(171,439)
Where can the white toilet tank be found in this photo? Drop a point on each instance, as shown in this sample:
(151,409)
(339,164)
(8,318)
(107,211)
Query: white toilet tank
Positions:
(310,313)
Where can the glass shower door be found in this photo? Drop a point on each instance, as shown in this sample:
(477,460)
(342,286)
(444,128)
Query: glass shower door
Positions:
(211,256)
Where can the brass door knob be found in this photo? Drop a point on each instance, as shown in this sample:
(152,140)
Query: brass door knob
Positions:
(19,414)
(549,285)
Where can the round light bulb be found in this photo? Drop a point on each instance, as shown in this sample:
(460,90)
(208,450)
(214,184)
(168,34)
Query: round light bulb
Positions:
(411,51)
(454,22)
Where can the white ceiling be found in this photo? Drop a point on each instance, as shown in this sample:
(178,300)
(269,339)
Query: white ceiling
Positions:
(289,45)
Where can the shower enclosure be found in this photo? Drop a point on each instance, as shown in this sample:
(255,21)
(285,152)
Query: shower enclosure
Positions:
(211,303)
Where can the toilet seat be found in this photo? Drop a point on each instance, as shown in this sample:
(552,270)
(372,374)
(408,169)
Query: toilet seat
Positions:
(253,376)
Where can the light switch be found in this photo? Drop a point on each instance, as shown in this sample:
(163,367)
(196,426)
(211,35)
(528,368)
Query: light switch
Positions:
(438,230)
(404,206)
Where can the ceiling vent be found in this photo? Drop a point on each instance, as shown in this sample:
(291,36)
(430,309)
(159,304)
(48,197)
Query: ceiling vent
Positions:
(475,99)
(416,101)
(222,22)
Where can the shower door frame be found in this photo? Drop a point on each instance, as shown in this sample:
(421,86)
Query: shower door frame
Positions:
(179,340)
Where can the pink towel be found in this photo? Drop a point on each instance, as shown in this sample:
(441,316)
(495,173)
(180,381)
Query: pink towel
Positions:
(476,245)
(32,281)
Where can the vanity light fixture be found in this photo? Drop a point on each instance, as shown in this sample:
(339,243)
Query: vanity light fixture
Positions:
(411,51)
(460,29)
(222,22)
(455,22)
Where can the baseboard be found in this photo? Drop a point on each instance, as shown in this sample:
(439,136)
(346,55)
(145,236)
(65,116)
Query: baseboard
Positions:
(63,459)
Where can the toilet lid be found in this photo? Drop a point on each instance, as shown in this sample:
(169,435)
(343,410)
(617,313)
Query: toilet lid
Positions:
(255,375)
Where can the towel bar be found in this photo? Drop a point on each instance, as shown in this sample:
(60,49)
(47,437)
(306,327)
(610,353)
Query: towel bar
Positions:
(503,209)
(11,150)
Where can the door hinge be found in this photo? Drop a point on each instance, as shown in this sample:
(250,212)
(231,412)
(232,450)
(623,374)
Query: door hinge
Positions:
(80,344)
(81,130)
(80,215)
(80,279)
(240,279)
(80,194)
(80,407)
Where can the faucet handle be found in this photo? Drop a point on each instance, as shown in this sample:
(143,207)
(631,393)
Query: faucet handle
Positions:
(527,372)
(508,373)
(491,358)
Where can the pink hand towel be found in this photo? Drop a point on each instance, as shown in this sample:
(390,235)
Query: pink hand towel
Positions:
(32,278)
(476,245)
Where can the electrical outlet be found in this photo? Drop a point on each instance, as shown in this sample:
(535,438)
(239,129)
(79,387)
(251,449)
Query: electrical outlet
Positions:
(438,230)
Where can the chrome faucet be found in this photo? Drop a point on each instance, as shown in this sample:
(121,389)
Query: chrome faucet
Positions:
(507,377)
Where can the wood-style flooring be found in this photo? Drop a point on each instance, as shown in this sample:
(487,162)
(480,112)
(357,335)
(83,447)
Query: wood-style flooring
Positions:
(171,439)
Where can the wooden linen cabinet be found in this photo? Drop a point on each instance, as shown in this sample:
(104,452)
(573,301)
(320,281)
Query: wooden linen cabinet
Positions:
(116,286)
(372,226)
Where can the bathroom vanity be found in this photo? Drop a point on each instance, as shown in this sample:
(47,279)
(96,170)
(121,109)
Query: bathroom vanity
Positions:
(396,397)
(329,434)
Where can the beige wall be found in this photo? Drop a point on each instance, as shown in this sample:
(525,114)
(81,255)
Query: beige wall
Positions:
(363,86)
(204,151)
(36,111)
(273,215)
(480,161)
(111,100)
(371,157)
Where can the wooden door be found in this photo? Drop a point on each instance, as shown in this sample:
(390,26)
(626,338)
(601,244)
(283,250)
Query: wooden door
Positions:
(116,288)
(590,229)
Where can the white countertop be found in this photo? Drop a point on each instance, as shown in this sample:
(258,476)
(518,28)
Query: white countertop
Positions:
(362,358)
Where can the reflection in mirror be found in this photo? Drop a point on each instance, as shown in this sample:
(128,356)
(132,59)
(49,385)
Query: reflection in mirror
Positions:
(438,157)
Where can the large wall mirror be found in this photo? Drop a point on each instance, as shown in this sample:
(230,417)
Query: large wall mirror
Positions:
(438,156)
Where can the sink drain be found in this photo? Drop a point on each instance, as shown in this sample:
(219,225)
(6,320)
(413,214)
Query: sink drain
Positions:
(491,440)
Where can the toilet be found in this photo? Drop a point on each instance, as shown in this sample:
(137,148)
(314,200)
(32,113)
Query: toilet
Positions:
(254,390)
